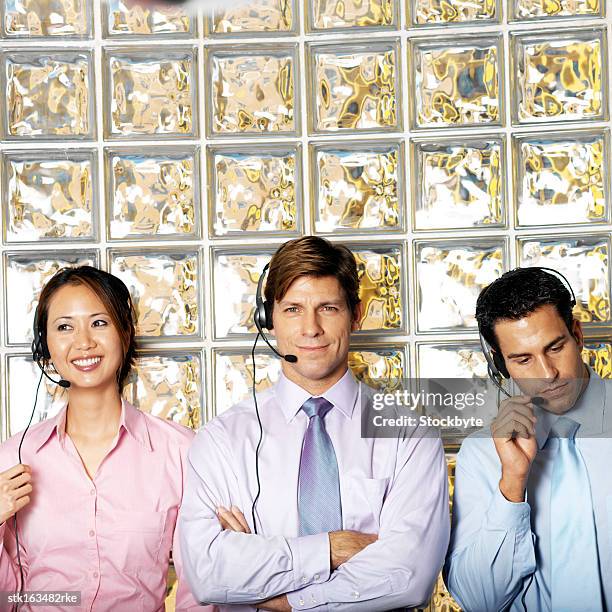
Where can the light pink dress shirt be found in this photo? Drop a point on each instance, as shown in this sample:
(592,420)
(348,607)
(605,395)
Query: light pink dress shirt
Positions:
(108,537)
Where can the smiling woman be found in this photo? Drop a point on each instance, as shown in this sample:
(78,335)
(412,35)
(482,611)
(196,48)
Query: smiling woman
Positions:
(99,487)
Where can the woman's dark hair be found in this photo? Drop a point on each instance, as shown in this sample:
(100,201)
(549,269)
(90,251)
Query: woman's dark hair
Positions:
(518,293)
(312,256)
(116,298)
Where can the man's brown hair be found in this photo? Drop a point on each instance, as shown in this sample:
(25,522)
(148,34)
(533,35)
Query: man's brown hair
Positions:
(116,298)
(312,256)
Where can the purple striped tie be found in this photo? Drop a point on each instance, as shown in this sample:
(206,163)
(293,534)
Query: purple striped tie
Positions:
(319,505)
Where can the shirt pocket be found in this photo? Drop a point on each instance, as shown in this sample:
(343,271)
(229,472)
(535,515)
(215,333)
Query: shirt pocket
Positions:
(136,538)
(363,504)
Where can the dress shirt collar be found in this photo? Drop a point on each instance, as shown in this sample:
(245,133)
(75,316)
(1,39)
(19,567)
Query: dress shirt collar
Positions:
(588,411)
(291,397)
(132,420)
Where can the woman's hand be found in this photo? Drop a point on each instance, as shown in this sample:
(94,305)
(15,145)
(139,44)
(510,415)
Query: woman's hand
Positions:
(15,489)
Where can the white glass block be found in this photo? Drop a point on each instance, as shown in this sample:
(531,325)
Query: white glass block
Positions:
(49,196)
(165,287)
(129,18)
(256,17)
(462,359)
(22,379)
(153,193)
(49,95)
(355,15)
(585,262)
(150,94)
(381,367)
(450,12)
(450,275)
(354,87)
(458,183)
(358,186)
(36,19)
(255,190)
(235,277)
(25,274)
(168,384)
(562,179)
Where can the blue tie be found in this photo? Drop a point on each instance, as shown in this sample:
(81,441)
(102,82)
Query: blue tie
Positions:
(319,505)
(575,581)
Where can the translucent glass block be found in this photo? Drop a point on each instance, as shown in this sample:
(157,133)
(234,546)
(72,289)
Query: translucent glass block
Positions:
(22,379)
(458,183)
(255,190)
(165,287)
(558,76)
(450,275)
(444,12)
(168,385)
(40,18)
(127,18)
(598,354)
(341,14)
(253,91)
(233,376)
(381,367)
(48,94)
(255,17)
(25,274)
(358,186)
(382,277)
(538,9)
(456,82)
(562,179)
(235,277)
(450,360)
(49,195)
(150,93)
(585,262)
(354,87)
(153,192)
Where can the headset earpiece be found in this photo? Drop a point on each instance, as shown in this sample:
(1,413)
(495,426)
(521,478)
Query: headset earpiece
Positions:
(500,364)
(40,351)
(263,310)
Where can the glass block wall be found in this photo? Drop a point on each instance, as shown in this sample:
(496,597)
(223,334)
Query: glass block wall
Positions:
(444,141)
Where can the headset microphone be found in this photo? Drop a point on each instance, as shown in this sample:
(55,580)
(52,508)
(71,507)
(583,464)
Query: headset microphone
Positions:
(263,317)
(62,382)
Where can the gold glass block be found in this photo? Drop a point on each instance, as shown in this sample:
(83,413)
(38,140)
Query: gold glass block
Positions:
(254,191)
(25,274)
(585,262)
(153,192)
(48,94)
(561,180)
(458,183)
(354,87)
(127,18)
(341,14)
(40,18)
(381,368)
(235,277)
(255,17)
(233,376)
(168,385)
(450,360)
(450,275)
(382,277)
(598,354)
(442,12)
(49,196)
(150,93)
(456,82)
(560,76)
(22,378)
(253,91)
(358,187)
(165,287)
(538,9)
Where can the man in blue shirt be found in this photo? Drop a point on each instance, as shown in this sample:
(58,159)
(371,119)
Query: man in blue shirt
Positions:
(532,510)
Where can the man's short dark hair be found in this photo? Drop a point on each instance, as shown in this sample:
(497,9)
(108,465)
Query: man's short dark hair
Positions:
(518,293)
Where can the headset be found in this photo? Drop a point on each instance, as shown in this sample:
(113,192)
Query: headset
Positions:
(262,317)
(496,366)
(497,369)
